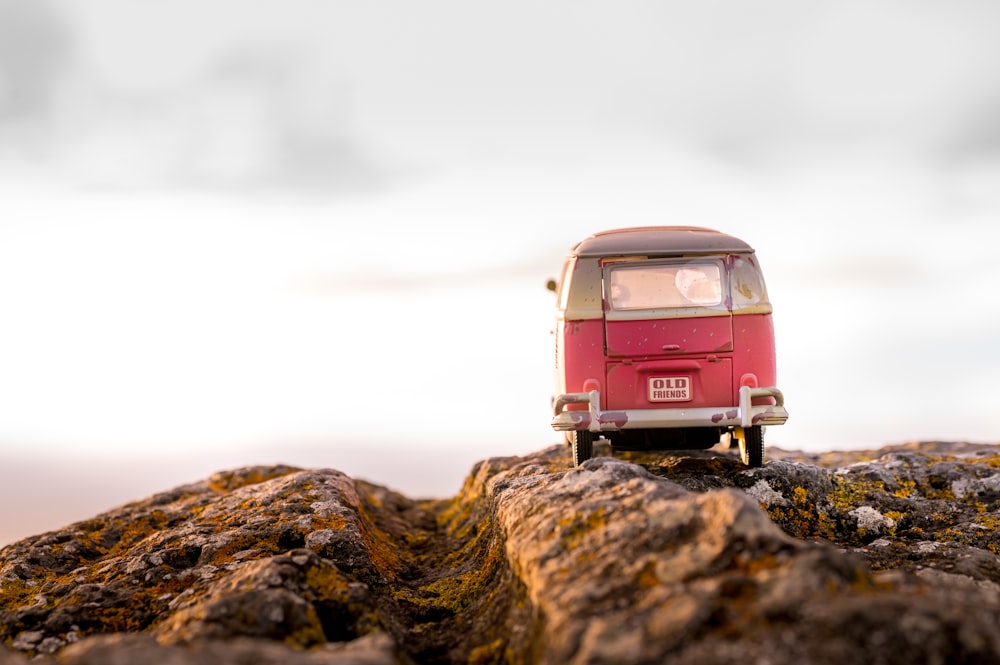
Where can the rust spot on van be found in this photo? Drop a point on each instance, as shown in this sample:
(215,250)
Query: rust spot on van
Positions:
(730,414)
(616,418)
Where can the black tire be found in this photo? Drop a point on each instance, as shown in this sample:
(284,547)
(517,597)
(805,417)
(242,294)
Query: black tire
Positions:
(752,446)
(583,446)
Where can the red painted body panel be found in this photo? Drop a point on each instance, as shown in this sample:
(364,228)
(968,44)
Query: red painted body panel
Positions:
(581,345)
(715,381)
(754,350)
(706,334)
(711,382)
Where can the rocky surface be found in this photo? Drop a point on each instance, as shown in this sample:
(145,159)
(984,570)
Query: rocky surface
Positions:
(888,556)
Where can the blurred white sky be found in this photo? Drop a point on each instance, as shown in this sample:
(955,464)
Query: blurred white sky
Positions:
(318,233)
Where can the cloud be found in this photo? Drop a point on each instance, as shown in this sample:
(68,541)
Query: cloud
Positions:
(250,116)
(780,76)
(254,118)
(265,116)
(35,48)
(324,97)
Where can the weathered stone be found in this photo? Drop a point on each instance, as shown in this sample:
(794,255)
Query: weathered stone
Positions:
(122,649)
(11,658)
(885,557)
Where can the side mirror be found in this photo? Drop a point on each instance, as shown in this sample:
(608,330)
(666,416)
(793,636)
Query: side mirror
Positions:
(551,285)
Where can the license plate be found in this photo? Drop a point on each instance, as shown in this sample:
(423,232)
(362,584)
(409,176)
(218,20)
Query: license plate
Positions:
(669,388)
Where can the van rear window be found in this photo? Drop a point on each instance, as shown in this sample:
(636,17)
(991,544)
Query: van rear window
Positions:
(666,286)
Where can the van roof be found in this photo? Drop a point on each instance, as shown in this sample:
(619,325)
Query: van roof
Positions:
(660,241)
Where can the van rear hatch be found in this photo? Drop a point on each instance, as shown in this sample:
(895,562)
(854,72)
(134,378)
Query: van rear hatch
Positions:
(669,337)
(666,323)
(667,307)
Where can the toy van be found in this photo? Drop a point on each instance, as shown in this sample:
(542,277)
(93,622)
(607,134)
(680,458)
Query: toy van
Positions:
(664,341)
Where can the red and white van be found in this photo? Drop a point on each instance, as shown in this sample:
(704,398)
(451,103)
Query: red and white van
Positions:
(664,341)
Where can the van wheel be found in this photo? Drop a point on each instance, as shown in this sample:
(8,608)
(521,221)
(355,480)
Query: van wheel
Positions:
(751,445)
(583,446)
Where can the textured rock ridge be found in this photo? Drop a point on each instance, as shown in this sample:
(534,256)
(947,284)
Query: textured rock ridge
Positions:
(890,556)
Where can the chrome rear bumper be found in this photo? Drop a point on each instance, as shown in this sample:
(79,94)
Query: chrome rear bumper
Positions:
(596,420)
